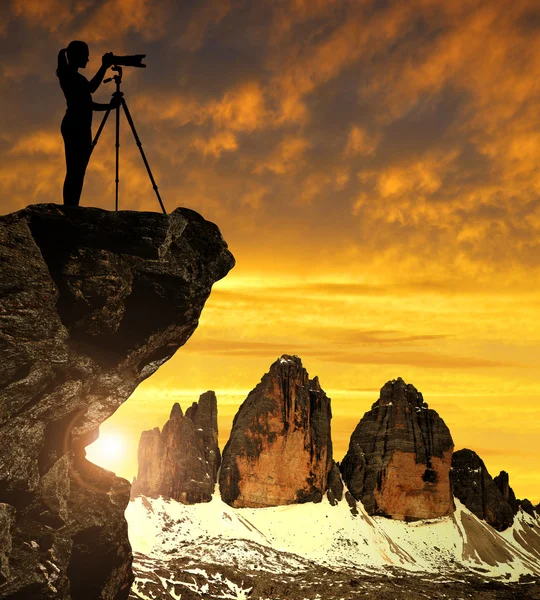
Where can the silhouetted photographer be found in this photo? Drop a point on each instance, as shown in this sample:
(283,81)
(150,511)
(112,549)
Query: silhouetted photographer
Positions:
(77,123)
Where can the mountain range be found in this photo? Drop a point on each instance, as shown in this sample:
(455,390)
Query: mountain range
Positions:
(281,518)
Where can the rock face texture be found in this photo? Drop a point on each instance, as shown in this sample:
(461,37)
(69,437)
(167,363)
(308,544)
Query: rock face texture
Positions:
(280,449)
(399,457)
(335,485)
(91,303)
(502,481)
(182,461)
(527,506)
(474,487)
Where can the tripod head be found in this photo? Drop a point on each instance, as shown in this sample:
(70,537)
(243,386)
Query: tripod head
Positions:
(116,78)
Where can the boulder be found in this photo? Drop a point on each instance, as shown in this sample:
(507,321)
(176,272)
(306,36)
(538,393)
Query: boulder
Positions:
(399,457)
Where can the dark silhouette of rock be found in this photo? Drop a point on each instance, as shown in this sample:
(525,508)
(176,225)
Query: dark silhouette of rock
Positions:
(399,457)
(527,506)
(280,449)
(182,461)
(502,481)
(335,485)
(474,487)
(91,303)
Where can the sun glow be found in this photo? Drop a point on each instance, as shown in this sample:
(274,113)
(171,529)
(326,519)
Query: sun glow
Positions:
(108,450)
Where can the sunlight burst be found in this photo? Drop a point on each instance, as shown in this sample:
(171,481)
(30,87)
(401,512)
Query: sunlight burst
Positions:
(106,450)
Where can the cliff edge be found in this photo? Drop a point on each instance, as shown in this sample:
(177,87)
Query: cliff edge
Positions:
(91,303)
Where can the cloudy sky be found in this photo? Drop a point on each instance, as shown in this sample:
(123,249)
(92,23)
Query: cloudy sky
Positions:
(373,166)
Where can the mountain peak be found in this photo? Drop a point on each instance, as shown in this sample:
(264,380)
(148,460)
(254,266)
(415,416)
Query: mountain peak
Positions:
(176,411)
(397,390)
(285,420)
(399,457)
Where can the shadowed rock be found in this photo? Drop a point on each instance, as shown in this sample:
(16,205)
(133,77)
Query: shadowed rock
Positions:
(182,461)
(399,457)
(527,506)
(280,450)
(335,485)
(502,481)
(474,487)
(91,303)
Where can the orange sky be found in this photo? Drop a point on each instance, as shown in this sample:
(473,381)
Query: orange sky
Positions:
(374,169)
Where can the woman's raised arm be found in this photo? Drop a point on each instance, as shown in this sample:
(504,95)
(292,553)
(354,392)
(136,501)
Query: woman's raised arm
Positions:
(106,62)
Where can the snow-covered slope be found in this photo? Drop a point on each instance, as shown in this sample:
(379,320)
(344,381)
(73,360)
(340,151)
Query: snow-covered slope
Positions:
(291,539)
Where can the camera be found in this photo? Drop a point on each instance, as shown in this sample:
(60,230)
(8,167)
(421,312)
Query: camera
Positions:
(133,60)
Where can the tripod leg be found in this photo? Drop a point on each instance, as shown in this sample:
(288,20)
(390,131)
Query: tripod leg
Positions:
(138,141)
(102,125)
(117,153)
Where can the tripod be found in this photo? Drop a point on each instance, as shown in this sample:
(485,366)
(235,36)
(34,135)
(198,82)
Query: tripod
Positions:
(122,103)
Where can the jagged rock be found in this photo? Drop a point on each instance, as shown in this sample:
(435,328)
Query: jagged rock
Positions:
(335,485)
(203,415)
(502,481)
(182,461)
(91,303)
(399,457)
(474,487)
(280,449)
(527,506)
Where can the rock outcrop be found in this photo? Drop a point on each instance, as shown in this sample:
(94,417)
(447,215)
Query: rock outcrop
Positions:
(502,481)
(182,461)
(527,506)
(280,449)
(91,303)
(335,485)
(399,457)
(474,487)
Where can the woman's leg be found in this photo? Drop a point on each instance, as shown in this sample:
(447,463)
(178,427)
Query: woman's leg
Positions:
(77,156)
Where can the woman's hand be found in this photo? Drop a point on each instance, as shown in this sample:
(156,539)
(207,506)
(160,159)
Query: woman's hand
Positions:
(107,59)
(115,102)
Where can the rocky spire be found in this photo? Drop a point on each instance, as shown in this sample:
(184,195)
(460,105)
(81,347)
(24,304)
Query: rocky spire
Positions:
(474,487)
(182,461)
(502,481)
(399,457)
(280,450)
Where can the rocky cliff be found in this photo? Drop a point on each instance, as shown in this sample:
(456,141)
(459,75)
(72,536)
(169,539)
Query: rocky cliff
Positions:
(182,461)
(502,481)
(280,449)
(473,485)
(91,303)
(399,457)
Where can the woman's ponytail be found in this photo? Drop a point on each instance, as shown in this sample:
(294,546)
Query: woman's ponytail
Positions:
(62,63)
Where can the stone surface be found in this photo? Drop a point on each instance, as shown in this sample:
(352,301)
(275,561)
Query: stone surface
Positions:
(502,481)
(182,461)
(335,485)
(399,457)
(474,487)
(91,303)
(280,450)
(527,506)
